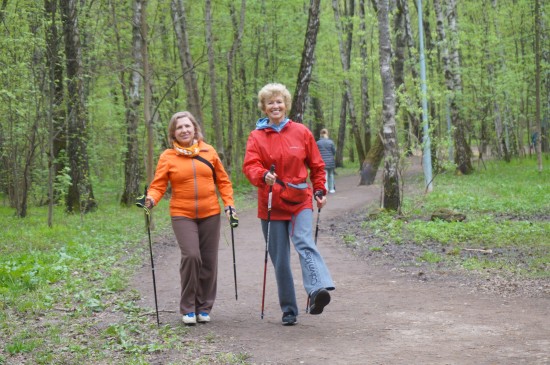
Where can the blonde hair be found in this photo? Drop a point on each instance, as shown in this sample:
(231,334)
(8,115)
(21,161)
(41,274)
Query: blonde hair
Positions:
(174,121)
(271,90)
(324,133)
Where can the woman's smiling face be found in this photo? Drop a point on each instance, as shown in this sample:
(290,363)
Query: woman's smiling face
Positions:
(275,109)
(185,132)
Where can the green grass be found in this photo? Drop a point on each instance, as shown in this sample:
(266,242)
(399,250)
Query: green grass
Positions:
(64,290)
(507,207)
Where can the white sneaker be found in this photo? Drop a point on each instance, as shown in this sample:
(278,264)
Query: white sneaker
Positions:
(189,318)
(332,191)
(203,317)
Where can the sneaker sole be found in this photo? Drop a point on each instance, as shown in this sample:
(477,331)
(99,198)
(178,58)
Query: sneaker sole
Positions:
(203,320)
(322,299)
(289,323)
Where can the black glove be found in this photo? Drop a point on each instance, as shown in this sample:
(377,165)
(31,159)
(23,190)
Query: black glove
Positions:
(319,194)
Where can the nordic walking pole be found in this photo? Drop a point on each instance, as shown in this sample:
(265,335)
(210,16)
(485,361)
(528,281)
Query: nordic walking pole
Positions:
(234,223)
(316,232)
(141,203)
(271,170)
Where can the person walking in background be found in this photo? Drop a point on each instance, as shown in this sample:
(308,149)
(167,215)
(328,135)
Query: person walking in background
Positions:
(328,152)
(194,170)
(289,147)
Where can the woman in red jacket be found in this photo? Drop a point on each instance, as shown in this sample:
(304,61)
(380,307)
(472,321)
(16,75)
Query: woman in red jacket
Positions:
(193,170)
(292,149)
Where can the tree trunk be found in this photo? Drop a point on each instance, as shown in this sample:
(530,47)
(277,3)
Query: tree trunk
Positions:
(147,96)
(56,121)
(299,101)
(399,52)
(463,153)
(80,197)
(391,199)
(412,118)
(451,62)
(365,102)
(501,116)
(341,133)
(237,36)
(538,141)
(318,116)
(216,120)
(132,174)
(345,55)
(372,162)
(3,10)
(179,19)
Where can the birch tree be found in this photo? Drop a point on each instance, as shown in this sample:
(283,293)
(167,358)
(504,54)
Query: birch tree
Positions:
(299,101)
(451,64)
(132,101)
(391,198)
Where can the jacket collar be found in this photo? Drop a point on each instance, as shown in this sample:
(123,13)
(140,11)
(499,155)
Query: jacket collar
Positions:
(263,123)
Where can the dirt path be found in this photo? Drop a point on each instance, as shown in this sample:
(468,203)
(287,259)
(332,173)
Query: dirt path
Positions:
(377,316)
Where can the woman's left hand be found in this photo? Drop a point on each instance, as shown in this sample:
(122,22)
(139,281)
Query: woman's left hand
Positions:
(231,215)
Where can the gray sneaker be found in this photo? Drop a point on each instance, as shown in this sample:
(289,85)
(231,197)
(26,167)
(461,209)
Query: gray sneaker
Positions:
(289,319)
(319,299)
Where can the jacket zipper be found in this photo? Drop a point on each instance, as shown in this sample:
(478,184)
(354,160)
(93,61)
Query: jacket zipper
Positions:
(196,189)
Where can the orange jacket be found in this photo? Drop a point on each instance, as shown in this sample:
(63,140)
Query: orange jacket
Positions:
(193,189)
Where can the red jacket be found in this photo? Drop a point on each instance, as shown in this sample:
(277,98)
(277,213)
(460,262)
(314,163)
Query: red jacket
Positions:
(193,189)
(293,151)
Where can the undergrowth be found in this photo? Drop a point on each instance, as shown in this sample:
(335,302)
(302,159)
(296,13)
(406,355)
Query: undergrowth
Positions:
(64,290)
(507,209)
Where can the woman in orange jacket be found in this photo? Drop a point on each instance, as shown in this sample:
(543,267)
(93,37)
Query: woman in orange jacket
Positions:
(194,170)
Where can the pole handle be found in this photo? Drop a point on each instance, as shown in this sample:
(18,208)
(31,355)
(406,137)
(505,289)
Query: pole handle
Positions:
(233,221)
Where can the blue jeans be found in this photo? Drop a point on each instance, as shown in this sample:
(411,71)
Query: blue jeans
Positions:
(329,176)
(315,273)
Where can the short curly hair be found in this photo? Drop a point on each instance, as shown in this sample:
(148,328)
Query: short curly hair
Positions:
(271,90)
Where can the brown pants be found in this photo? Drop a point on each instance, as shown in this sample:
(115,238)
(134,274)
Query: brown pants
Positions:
(198,240)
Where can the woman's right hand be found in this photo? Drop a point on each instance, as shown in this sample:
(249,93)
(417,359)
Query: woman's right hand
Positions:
(270,178)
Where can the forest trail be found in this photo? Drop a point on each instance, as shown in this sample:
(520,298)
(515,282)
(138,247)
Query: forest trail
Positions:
(377,315)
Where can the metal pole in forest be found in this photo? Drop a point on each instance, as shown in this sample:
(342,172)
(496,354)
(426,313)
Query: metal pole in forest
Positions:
(427,153)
